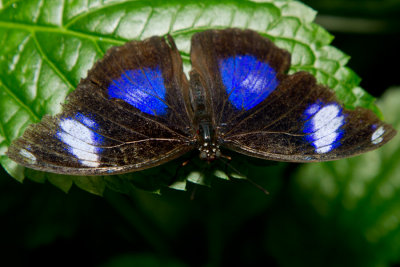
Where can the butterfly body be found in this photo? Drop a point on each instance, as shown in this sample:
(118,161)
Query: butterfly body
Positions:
(203,122)
(136,109)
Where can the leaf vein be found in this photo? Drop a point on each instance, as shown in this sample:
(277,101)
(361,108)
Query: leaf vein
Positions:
(51,63)
(146,23)
(174,17)
(19,101)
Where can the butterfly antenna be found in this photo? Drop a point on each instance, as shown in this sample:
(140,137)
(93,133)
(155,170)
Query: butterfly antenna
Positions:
(227,164)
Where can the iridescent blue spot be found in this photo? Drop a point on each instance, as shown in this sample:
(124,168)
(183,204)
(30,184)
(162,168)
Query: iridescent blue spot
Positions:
(78,134)
(323,126)
(142,88)
(248,81)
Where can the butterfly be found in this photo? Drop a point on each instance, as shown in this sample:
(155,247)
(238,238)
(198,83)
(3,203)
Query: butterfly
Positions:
(136,109)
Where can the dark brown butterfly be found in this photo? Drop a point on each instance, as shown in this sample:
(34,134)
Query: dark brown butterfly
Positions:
(137,109)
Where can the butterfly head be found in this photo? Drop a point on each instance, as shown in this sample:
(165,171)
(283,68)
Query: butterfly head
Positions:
(209,151)
(209,147)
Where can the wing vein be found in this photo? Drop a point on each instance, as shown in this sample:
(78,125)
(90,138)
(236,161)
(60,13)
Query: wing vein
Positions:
(286,113)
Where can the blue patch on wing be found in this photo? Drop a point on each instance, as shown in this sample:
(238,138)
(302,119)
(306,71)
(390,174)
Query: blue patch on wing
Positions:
(142,88)
(248,81)
(78,133)
(323,126)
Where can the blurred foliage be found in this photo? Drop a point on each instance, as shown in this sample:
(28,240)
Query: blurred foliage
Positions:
(353,206)
(386,9)
(343,213)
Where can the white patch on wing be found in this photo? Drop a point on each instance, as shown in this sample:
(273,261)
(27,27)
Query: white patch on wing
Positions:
(376,136)
(326,140)
(324,126)
(329,128)
(311,110)
(77,129)
(324,116)
(324,149)
(28,155)
(88,122)
(80,140)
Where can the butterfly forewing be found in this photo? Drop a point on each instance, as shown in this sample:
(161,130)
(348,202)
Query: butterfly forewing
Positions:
(240,70)
(260,111)
(128,114)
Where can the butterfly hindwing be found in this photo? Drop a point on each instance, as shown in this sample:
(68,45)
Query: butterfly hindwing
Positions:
(128,114)
(263,112)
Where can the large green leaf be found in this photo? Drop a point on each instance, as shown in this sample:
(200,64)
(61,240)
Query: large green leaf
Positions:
(350,208)
(47,46)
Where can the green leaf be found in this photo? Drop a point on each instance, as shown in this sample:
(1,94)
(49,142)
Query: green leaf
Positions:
(352,206)
(48,46)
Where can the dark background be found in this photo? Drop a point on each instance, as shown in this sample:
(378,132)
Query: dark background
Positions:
(225,225)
